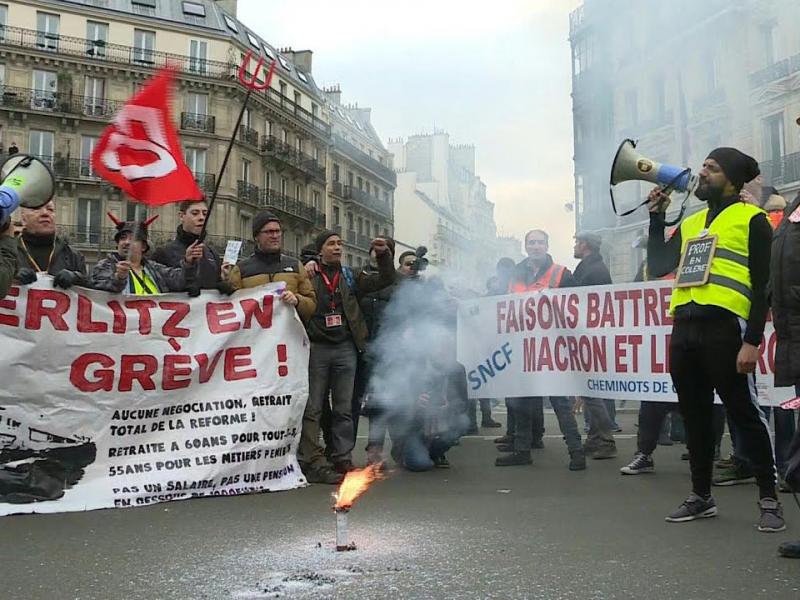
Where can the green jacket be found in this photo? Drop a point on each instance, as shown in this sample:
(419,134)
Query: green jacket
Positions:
(8,263)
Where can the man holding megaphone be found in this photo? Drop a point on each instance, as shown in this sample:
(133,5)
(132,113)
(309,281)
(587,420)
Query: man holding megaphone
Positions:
(719,306)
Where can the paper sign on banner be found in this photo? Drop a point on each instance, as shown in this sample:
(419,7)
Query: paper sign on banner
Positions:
(232,251)
(121,402)
(599,342)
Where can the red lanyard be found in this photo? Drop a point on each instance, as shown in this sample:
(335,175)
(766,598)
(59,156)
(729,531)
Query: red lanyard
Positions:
(331,285)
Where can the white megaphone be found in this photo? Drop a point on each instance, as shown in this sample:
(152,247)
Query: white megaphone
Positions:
(24,181)
(629,165)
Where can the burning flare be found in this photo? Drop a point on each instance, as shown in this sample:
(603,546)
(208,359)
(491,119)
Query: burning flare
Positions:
(355,483)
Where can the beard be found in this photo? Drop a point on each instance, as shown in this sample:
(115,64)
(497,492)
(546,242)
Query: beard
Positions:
(708,193)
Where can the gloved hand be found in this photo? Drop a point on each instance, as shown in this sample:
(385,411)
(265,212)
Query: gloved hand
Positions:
(65,279)
(26,276)
(193,290)
(225,288)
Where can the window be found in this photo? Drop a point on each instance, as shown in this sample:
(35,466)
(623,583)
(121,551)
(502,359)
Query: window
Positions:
(774,141)
(267,180)
(88,143)
(196,160)
(350,178)
(336,215)
(314,109)
(315,153)
(284,63)
(196,10)
(41,144)
(349,259)
(253,41)
(710,66)
(198,57)
(298,193)
(267,52)
(360,225)
(2,77)
(335,172)
(769,41)
(230,23)
(284,186)
(285,136)
(282,86)
(3,21)
(268,128)
(299,144)
(197,104)
(96,38)
(246,117)
(147,3)
(297,100)
(302,77)
(144,44)
(89,218)
(369,189)
(94,96)
(350,226)
(47,30)
(45,85)
(245,231)
(135,211)
(360,183)
(246,170)
(376,231)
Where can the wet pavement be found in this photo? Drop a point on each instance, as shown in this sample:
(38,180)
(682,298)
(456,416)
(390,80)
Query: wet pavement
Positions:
(473,531)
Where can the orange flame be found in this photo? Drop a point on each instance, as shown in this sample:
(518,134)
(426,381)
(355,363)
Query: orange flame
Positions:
(355,483)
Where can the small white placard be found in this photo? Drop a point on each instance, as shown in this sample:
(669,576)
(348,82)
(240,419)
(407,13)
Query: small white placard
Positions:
(232,251)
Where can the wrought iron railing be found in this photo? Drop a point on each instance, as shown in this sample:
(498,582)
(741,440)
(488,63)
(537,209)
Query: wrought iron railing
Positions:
(782,171)
(57,102)
(205,181)
(248,135)
(351,151)
(367,201)
(246,192)
(291,206)
(775,71)
(70,168)
(279,150)
(198,122)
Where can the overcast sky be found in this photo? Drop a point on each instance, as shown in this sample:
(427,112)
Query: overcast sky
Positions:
(492,74)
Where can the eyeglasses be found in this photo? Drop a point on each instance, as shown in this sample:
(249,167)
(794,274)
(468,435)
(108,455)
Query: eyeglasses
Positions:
(270,232)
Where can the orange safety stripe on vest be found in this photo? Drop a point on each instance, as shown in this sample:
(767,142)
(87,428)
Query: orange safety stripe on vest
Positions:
(550,279)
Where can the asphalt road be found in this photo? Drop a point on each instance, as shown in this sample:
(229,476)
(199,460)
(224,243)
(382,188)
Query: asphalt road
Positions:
(473,531)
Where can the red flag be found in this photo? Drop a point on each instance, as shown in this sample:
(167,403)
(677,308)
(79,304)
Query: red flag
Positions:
(139,152)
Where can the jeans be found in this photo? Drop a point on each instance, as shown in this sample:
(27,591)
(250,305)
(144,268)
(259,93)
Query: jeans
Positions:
(331,370)
(601,424)
(526,411)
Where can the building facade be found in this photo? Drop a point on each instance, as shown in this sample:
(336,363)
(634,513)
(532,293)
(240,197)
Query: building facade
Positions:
(441,203)
(67,66)
(361,180)
(681,78)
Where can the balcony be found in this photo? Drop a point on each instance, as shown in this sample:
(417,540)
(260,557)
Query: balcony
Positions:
(290,206)
(248,135)
(365,160)
(101,239)
(576,20)
(246,192)
(70,168)
(451,236)
(775,71)
(14,98)
(206,182)
(781,172)
(100,51)
(197,122)
(300,161)
(363,199)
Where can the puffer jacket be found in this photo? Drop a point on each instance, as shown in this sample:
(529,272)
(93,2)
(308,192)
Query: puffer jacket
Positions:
(64,257)
(785,292)
(206,272)
(167,279)
(262,268)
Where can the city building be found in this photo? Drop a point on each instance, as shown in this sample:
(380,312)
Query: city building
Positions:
(67,66)
(361,179)
(682,78)
(441,203)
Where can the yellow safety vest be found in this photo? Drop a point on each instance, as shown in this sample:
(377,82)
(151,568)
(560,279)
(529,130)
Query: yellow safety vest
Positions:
(729,284)
(142,285)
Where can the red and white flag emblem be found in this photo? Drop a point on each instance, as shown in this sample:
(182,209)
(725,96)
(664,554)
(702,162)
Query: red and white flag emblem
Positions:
(140,153)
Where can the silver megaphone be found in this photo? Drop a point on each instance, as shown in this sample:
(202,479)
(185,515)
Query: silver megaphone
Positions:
(24,181)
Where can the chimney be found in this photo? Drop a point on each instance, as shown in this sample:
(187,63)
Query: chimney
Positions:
(302,60)
(229,6)
(334,94)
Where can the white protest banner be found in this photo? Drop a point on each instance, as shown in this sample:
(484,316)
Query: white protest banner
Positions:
(119,401)
(600,342)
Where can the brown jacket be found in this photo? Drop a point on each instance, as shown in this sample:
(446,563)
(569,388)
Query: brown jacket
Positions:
(262,268)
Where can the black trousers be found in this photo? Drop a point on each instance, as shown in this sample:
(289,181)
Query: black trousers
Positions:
(536,419)
(651,420)
(703,360)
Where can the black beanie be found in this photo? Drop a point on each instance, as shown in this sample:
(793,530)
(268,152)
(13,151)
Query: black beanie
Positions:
(738,167)
(262,219)
(320,240)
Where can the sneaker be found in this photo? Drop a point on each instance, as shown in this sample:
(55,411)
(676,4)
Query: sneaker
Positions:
(783,487)
(490,423)
(504,439)
(441,462)
(771,520)
(616,428)
(344,466)
(514,459)
(789,549)
(577,461)
(725,463)
(505,448)
(735,475)
(605,451)
(323,474)
(641,463)
(694,507)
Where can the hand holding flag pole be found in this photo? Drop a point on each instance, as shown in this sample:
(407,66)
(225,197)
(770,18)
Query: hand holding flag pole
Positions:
(251,84)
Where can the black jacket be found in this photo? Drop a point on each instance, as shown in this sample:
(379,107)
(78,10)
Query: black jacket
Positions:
(64,257)
(592,271)
(785,287)
(207,270)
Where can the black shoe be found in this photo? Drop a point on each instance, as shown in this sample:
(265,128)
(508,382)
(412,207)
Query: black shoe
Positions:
(490,423)
(504,439)
(537,444)
(685,456)
(789,549)
(577,461)
(441,462)
(505,447)
(514,459)
(344,466)
(323,474)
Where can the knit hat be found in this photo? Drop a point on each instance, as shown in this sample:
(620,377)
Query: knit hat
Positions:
(738,167)
(590,237)
(320,240)
(261,219)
